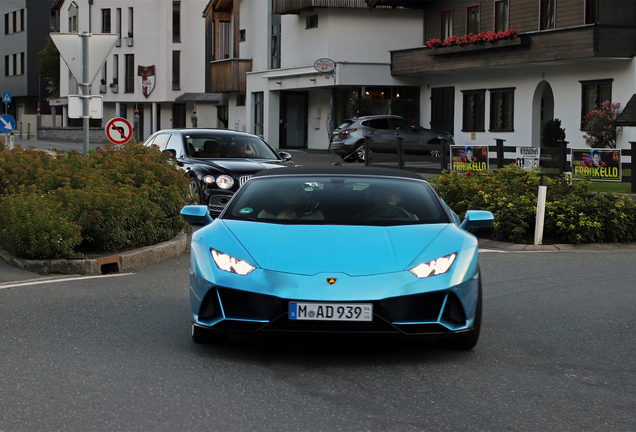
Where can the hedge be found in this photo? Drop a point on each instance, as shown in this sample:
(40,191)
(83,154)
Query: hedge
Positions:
(64,204)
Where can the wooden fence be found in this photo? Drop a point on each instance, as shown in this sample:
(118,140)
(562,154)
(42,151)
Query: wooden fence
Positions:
(418,158)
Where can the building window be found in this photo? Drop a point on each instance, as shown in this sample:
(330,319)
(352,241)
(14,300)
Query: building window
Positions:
(258,113)
(240,99)
(472,19)
(242,35)
(129,78)
(115,68)
(474,109)
(275,37)
(225,39)
(118,23)
(312,22)
(502,109)
(176,70)
(446,23)
(7,66)
(131,22)
(176,21)
(502,13)
(591,11)
(548,11)
(105,20)
(14,22)
(72,18)
(594,94)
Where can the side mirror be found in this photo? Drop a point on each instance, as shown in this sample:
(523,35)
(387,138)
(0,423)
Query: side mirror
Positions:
(196,215)
(477,219)
(286,156)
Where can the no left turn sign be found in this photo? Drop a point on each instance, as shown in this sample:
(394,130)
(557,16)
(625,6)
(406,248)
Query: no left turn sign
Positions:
(119,130)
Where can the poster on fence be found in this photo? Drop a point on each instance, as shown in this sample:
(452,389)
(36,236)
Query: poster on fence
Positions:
(528,157)
(469,158)
(598,164)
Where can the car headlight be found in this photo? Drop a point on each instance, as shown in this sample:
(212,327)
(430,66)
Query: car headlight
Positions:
(230,264)
(208,179)
(224,181)
(433,268)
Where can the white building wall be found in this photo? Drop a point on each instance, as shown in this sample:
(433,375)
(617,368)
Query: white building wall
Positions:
(359,40)
(152,45)
(566,87)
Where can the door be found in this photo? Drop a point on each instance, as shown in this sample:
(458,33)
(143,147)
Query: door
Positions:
(178,116)
(293,122)
(443,109)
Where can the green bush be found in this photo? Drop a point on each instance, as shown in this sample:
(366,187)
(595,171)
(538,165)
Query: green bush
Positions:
(572,215)
(116,198)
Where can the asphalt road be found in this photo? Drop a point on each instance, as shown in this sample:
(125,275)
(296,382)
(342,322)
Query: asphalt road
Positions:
(557,353)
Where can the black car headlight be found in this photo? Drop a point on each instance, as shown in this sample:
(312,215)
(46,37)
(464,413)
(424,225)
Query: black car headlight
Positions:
(433,268)
(230,264)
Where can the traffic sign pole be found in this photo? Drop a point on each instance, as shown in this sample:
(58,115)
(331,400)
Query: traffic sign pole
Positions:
(85,89)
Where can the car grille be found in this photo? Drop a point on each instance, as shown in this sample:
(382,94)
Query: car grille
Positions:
(218,202)
(391,315)
(244,179)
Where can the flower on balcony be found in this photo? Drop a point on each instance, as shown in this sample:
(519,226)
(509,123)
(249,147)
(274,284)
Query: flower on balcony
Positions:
(472,39)
(600,131)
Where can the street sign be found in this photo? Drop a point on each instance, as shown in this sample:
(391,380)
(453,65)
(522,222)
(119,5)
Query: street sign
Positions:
(95,107)
(7,123)
(6,97)
(70,47)
(119,130)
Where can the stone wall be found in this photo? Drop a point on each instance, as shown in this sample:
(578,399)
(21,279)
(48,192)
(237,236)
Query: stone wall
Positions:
(72,134)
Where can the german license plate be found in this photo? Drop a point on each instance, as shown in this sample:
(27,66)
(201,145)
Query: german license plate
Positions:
(331,311)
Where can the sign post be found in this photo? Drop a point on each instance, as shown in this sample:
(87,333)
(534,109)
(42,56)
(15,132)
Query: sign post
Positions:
(118,130)
(6,99)
(7,124)
(84,62)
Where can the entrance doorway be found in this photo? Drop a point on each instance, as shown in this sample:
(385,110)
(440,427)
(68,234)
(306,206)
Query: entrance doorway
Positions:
(293,124)
(443,109)
(542,110)
(178,115)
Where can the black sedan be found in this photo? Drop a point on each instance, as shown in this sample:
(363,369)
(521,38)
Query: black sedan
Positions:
(218,161)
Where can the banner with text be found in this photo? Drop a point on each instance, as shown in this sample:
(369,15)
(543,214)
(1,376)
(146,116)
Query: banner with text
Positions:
(469,158)
(528,157)
(598,164)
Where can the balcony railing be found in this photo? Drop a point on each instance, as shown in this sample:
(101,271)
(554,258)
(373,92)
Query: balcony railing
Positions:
(296,6)
(570,44)
(229,75)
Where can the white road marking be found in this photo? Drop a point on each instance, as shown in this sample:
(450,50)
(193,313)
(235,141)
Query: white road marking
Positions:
(48,281)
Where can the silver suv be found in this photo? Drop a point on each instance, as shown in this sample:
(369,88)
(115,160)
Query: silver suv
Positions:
(348,138)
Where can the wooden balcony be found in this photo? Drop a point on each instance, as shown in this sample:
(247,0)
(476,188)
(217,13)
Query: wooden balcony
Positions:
(294,7)
(229,75)
(572,45)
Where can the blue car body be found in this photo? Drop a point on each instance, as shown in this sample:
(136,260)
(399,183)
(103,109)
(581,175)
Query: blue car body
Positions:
(341,264)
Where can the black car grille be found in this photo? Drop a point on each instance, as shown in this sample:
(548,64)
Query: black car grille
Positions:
(218,202)
(415,314)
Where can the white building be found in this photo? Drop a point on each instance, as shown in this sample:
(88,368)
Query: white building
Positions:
(285,99)
(157,68)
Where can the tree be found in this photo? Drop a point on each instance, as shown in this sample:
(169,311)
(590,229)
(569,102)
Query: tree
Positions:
(49,67)
(600,131)
(552,133)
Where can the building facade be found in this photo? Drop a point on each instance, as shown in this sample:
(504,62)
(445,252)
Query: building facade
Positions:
(262,55)
(569,56)
(25,28)
(155,75)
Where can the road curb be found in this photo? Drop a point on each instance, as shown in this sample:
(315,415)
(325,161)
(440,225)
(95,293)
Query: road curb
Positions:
(93,266)
(585,247)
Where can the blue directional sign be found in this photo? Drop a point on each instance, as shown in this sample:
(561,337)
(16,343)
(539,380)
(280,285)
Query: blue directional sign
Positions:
(7,123)
(6,97)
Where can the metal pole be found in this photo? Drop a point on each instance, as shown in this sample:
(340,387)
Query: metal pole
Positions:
(85,89)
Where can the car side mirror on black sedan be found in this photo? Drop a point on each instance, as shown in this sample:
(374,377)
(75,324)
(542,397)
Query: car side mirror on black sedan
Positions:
(286,156)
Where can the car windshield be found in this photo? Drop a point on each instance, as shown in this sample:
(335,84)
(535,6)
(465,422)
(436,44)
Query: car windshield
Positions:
(228,146)
(337,200)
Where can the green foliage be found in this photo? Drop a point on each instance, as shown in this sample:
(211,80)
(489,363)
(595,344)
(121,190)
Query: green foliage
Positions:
(49,67)
(573,214)
(600,131)
(551,133)
(116,198)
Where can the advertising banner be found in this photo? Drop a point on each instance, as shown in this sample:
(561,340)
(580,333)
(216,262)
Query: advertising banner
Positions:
(469,158)
(528,157)
(598,164)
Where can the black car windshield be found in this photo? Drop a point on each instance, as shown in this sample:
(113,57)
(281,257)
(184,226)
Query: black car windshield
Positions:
(228,146)
(337,200)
